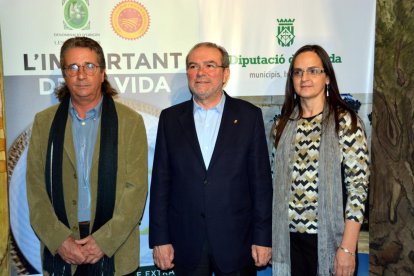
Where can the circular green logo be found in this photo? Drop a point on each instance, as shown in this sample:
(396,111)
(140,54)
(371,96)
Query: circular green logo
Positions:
(76,14)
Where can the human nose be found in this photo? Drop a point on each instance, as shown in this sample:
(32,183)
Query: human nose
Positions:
(201,70)
(81,72)
(305,75)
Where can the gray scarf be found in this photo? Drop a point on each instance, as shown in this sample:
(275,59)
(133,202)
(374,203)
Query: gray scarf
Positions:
(330,203)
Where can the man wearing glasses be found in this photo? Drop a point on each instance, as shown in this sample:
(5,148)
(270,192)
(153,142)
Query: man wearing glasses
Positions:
(87,171)
(210,203)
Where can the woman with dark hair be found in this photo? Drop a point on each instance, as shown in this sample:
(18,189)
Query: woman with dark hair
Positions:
(321,173)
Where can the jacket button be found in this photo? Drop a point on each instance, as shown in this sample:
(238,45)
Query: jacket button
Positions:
(74,202)
(75,228)
(205,181)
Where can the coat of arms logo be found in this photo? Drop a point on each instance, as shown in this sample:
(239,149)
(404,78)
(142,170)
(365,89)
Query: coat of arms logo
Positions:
(285,32)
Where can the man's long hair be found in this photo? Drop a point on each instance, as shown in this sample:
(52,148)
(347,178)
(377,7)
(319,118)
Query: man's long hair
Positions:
(334,100)
(84,42)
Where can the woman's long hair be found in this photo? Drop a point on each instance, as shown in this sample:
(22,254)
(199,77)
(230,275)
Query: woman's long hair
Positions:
(334,100)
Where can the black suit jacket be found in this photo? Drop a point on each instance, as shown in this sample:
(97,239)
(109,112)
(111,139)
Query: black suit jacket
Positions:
(229,203)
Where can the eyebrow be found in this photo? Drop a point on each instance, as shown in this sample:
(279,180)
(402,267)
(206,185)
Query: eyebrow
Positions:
(310,67)
(204,62)
(86,62)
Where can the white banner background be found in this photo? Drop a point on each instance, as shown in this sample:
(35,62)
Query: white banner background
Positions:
(33,31)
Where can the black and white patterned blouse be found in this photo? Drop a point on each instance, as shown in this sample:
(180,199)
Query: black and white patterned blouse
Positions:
(303,201)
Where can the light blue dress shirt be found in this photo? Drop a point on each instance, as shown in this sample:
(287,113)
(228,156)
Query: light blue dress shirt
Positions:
(84,140)
(207,123)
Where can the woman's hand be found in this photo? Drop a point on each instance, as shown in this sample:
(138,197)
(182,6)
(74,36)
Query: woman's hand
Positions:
(344,264)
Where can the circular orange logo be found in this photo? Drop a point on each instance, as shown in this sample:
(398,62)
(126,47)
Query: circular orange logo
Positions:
(130,20)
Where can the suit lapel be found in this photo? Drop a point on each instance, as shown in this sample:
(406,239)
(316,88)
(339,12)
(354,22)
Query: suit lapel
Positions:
(68,145)
(227,129)
(186,119)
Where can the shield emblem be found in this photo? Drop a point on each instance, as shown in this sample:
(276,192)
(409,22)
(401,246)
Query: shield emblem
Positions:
(285,32)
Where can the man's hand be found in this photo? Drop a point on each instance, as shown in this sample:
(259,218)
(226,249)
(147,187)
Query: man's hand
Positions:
(261,255)
(71,252)
(90,249)
(163,256)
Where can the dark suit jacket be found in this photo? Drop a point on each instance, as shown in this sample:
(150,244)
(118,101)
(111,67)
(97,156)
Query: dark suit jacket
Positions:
(229,203)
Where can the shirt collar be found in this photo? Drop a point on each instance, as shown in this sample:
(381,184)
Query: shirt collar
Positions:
(94,112)
(219,107)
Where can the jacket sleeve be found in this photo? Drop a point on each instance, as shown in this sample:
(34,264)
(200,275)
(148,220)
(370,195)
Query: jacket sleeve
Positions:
(260,180)
(160,188)
(43,219)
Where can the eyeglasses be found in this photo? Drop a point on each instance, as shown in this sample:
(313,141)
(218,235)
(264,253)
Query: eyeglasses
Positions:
(73,69)
(209,67)
(313,71)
